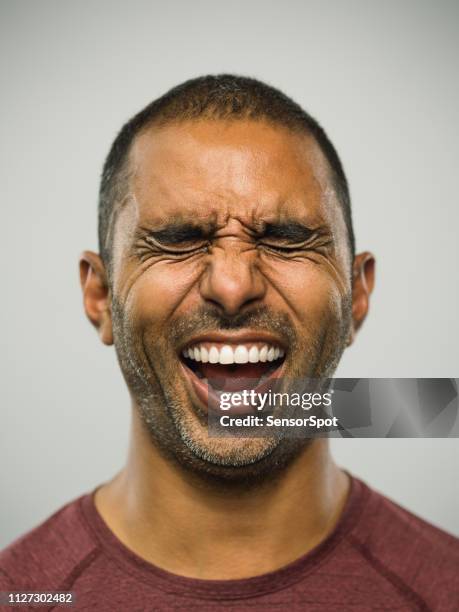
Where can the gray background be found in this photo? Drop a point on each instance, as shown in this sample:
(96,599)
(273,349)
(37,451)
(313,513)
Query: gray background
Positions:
(380,76)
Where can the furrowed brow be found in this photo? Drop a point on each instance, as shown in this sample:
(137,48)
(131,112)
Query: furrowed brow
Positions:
(177,233)
(291,231)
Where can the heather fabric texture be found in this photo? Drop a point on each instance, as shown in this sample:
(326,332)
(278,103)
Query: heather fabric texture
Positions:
(378,557)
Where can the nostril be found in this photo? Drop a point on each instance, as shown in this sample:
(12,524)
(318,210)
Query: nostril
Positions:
(232,287)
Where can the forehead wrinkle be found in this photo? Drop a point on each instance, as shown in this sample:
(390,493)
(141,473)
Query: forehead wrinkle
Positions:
(310,172)
(161,197)
(165,198)
(253,215)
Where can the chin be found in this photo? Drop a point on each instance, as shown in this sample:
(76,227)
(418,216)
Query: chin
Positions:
(237,461)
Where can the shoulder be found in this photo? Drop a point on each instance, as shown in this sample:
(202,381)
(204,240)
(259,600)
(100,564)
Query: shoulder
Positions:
(413,554)
(47,556)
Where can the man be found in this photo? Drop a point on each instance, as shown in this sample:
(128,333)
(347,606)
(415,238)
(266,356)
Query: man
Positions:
(227,251)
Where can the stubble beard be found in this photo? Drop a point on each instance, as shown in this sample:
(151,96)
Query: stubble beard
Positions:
(179,430)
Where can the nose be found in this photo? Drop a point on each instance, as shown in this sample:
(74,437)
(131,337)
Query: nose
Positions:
(232,281)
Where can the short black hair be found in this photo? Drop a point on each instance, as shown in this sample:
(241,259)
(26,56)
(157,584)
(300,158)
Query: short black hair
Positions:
(223,96)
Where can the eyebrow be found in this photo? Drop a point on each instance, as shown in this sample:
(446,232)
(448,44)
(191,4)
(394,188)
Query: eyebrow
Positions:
(290,230)
(178,233)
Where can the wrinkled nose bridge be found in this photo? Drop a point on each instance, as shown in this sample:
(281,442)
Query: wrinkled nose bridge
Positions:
(234,260)
(232,278)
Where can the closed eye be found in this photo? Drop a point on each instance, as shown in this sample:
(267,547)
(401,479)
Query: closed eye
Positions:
(176,251)
(283,248)
(184,252)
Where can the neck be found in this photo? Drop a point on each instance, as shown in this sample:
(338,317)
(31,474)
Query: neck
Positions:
(193,529)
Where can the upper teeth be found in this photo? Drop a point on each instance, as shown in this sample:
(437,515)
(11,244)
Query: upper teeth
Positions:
(227,354)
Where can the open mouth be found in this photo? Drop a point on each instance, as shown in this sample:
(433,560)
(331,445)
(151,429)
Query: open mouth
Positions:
(214,367)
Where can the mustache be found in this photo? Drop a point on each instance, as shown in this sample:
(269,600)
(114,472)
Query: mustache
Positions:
(207,319)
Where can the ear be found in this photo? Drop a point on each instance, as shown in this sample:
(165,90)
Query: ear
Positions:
(363,279)
(96,294)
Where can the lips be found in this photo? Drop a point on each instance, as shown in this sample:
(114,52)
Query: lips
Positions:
(231,363)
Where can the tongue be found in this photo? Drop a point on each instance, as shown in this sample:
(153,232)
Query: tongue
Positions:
(235,370)
(234,377)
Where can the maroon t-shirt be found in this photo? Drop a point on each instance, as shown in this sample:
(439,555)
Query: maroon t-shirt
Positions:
(378,557)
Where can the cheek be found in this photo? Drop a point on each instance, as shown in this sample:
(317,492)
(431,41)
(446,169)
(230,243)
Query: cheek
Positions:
(159,293)
(310,292)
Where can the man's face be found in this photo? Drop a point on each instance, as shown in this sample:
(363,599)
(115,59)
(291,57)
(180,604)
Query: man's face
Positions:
(232,237)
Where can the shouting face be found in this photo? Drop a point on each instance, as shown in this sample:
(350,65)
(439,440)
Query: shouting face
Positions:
(230,260)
